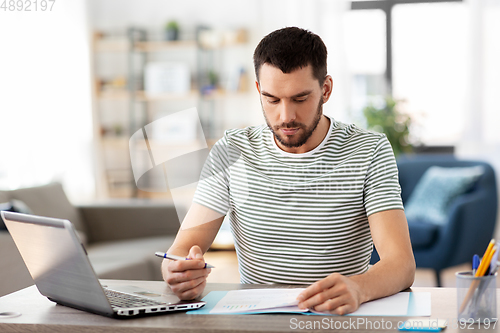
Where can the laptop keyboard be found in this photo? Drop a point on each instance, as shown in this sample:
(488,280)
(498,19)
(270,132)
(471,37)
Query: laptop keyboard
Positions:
(122,300)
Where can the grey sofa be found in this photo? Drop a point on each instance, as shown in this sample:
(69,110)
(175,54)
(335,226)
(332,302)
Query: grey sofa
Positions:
(121,236)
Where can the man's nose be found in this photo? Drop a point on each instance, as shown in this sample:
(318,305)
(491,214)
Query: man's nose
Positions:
(287,112)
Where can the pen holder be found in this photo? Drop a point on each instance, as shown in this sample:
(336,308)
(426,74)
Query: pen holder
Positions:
(476,298)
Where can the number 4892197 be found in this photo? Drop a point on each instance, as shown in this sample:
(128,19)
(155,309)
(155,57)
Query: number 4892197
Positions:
(27,5)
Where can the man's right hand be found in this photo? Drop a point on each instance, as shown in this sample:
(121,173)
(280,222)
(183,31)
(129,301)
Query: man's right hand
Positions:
(186,278)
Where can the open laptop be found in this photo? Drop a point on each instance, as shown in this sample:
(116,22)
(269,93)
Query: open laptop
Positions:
(58,263)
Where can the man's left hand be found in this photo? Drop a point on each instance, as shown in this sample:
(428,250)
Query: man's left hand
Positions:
(334,294)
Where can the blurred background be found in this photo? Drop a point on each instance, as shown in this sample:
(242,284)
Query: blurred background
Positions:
(80,77)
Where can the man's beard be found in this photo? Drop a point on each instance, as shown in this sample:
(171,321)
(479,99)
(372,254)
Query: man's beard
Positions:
(306,131)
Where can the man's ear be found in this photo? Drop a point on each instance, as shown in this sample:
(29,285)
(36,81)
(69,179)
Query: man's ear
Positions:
(257,86)
(327,88)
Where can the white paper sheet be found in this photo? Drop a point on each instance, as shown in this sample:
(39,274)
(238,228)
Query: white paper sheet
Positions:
(420,304)
(395,305)
(284,300)
(257,299)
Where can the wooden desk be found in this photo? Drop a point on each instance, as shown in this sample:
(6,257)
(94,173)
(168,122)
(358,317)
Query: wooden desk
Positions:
(41,315)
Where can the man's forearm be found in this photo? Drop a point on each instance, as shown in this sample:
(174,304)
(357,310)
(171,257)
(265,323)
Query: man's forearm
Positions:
(385,278)
(396,269)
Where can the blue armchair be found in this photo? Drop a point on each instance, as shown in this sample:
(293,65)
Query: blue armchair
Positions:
(471,216)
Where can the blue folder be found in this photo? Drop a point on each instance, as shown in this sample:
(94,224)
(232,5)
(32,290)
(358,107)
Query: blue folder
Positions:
(419,304)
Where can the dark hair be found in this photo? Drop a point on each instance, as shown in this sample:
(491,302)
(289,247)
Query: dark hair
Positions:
(292,48)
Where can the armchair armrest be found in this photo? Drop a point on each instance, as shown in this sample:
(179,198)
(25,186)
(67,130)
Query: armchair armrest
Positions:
(120,220)
(472,222)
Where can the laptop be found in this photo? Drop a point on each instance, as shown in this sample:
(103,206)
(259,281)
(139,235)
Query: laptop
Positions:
(58,263)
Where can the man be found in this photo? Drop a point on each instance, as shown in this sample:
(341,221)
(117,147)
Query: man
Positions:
(305,194)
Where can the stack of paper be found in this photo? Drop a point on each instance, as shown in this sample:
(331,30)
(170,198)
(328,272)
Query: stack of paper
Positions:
(283,300)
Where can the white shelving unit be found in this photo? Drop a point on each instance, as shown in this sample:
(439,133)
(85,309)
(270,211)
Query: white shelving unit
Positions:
(122,106)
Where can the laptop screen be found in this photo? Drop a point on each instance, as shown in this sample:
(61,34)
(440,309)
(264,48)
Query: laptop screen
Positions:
(56,260)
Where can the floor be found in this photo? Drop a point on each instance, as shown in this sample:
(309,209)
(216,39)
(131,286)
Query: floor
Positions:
(226,271)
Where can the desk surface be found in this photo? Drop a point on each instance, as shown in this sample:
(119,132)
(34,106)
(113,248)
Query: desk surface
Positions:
(38,314)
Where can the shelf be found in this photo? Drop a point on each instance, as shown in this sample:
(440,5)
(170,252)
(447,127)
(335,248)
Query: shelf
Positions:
(220,94)
(122,45)
(156,46)
(115,142)
(142,96)
(122,142)
(113,94)
(118,104)
(145,97)
(111,45)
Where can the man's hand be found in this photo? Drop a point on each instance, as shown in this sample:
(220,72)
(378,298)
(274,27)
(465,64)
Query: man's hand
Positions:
(186,278)
(335,294)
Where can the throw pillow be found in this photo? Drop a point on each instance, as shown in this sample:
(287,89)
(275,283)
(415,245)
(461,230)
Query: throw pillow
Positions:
(15,206)
(435,191)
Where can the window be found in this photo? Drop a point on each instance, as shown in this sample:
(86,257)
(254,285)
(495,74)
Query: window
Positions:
(430,67)
(366,53)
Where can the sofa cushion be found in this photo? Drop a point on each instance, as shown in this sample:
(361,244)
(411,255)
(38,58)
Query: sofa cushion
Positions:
(422,234)
(51,201)
(437,188)
(129,259)
(4,196)
(129,219)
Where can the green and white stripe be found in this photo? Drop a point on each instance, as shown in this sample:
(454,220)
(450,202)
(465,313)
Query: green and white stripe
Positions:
(296,218)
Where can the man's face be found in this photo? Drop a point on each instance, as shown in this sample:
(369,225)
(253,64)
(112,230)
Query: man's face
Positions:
(292,104)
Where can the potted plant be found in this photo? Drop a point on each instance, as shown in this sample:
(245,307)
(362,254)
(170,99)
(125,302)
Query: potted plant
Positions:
(172,30)
(394,124)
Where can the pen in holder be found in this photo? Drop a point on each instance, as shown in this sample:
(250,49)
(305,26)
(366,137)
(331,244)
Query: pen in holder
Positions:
(476,298)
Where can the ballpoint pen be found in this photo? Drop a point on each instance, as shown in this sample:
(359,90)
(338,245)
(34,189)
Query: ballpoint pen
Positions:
(483,285)
(485,264)
(174,257)
(475,264)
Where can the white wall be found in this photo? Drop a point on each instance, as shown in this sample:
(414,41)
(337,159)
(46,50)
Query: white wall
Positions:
(45,103)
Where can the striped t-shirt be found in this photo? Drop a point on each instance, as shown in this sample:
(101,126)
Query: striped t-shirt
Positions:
(297,218)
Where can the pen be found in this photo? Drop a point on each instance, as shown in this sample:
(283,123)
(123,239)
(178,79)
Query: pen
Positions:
(174,257)
(493,257)
(494,263)
(475,264)
(485,263)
